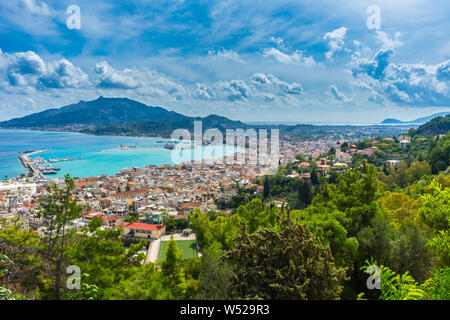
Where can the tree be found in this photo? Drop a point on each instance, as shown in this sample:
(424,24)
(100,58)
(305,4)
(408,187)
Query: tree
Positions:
(314,177)
(95,223)
(356,194)
(171,224)
(395,286)
(101,254)
(132,216)
(5,293)
(435,206)
(266,191)
(440,246)
(255,215)
(305,193)
(59,210)
(215,277)
(172,269)
(409,252)
(401,207)
(328,227)
(285,262)
(140,283)
(22,247)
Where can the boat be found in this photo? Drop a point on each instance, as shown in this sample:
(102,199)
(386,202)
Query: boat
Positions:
(169,146)
(47,171)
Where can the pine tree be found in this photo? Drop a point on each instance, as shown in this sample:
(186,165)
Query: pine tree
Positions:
(314,177)
(59,209)
(266,192)
(172,268)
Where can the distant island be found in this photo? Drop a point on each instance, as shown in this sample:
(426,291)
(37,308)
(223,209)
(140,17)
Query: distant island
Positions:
(415,121)
(116,116)
(126,117)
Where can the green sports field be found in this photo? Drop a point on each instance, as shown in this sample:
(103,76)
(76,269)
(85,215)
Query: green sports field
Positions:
(187,247)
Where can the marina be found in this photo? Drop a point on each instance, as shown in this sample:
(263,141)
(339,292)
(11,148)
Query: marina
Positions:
(30,164)
(38,165)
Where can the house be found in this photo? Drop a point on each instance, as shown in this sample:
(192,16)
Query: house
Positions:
(305,175)
(392,162)
(304,164)
(404,143)
(112,221)
(260,190)
(143,230)
(129,194)
(367,152)
(404,140)
(187,207)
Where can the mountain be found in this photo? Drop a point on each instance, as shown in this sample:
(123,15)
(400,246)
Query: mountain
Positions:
(116,116)
(96,113)
(416,121)
(164,128)
(438,125)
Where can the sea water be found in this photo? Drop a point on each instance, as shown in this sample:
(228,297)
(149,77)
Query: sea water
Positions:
(91,154)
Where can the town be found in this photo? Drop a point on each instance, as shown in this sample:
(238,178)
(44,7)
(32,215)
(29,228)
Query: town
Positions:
(153,194)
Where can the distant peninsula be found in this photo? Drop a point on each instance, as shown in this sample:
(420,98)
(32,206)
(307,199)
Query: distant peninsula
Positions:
(415,121)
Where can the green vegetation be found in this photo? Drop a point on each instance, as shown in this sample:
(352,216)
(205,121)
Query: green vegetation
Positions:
(297,239)
(438,125)
(188,248)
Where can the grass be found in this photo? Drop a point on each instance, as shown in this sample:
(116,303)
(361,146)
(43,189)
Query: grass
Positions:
(187,247)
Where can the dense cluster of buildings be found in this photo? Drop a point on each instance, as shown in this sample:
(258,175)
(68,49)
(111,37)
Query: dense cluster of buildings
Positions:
(154,193)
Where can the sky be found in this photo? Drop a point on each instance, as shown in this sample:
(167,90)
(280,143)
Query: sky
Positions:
(348,61)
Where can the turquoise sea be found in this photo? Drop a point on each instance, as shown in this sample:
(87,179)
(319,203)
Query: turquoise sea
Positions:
(86,147)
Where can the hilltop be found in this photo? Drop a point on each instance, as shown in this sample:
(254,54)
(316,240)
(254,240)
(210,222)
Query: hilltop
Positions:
(116,116)
(416,121)
(439,125)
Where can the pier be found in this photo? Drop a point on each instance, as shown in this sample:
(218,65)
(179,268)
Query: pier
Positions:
(28,163)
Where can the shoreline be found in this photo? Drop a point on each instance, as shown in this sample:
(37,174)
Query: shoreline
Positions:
(28,163)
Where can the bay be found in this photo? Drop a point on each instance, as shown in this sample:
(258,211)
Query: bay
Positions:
(86,147)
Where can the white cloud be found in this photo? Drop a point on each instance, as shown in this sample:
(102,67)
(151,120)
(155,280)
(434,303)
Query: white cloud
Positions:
(388,43)
(204,92)
(335,40)
(270,83)
(236,90)
(279,41)
(111,78)
(146,83)
(227,54)
(38,9)
(28,69)
(63,74)
(297,57)
(404,84)
(339,95)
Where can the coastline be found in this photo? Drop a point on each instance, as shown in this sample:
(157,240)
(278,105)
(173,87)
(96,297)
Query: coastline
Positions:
(144,151)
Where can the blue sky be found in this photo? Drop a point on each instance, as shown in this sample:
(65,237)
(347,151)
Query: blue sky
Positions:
(296,61)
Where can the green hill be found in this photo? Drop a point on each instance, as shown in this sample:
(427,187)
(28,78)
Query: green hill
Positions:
(438,125)
(116,116)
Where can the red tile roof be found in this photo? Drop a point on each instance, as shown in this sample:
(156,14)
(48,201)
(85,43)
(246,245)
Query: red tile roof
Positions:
(144,226)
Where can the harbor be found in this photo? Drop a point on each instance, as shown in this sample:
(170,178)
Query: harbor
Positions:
(28,163)
(38,165)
